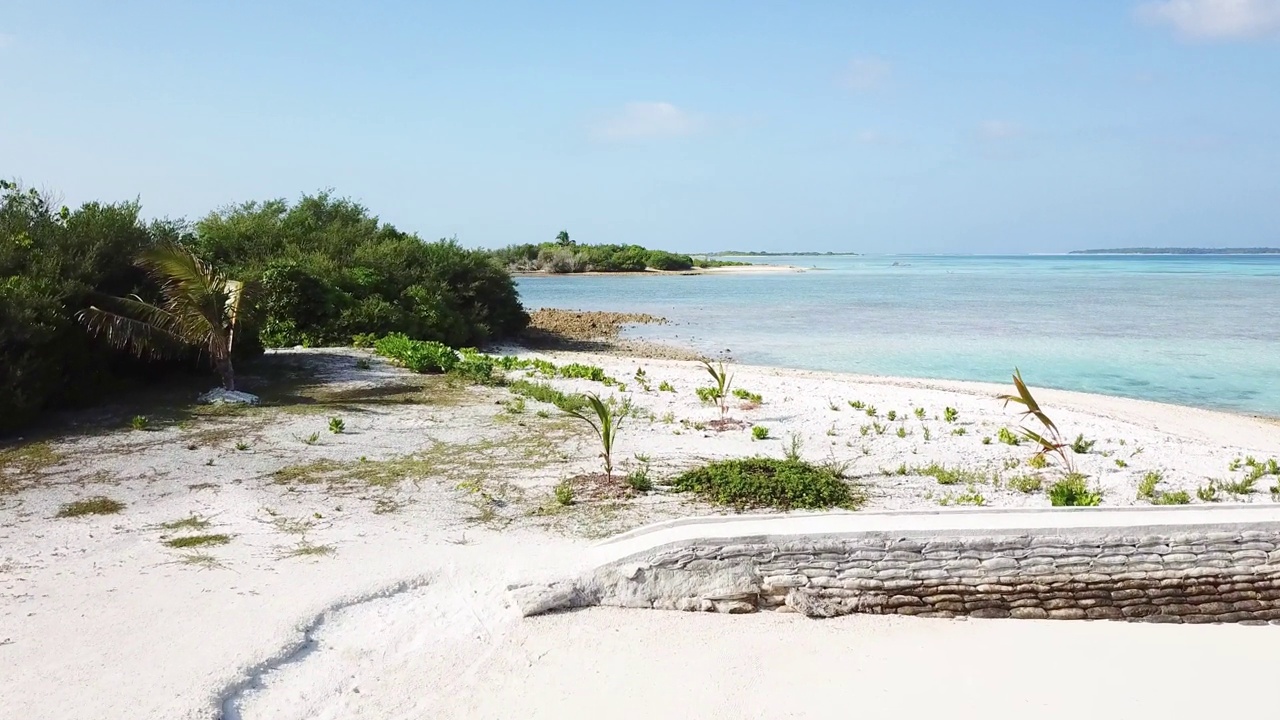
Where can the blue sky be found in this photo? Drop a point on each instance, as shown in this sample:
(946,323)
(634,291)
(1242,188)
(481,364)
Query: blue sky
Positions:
(850,126)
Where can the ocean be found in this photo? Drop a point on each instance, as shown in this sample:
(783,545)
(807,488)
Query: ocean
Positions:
(1192,330)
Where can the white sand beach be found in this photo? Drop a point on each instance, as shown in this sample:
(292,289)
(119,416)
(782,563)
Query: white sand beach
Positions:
(363,573)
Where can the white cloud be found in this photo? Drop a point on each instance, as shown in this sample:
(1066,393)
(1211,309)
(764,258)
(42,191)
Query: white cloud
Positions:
(648,120)
(867,73)
(998,130)
(1215,19)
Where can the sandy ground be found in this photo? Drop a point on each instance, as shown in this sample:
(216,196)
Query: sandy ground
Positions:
(362,572)
(638,664)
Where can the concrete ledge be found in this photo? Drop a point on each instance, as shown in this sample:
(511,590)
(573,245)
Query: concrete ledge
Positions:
(1179,564)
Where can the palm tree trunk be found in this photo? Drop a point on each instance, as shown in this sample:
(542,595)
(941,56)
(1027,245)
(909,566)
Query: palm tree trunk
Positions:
(228,373)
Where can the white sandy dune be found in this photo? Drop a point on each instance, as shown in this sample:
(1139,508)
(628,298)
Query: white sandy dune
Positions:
(100,619)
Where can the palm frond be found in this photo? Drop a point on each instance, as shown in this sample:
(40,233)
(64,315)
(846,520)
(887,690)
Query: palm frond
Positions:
(143,338)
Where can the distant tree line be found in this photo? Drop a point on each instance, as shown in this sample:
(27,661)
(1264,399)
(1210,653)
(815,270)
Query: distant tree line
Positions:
(325,270)
(1179,251)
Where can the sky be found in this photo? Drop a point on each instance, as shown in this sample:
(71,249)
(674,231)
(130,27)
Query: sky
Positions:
(860,126)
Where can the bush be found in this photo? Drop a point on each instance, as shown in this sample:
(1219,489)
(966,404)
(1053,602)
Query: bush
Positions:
(1073,490)
(417,355)
(52,262)
(768,482)
(330,271)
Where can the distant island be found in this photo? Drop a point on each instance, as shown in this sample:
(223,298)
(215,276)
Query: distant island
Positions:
(1179,251)
(563,255)
(741,253)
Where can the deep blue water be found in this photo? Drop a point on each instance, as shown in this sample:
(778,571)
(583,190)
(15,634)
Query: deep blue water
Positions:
(1192,330)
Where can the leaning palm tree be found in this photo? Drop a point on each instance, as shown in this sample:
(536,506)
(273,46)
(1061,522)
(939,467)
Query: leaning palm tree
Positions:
(201,309)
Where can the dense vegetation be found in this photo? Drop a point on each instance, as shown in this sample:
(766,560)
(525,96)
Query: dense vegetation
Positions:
(564,255)
(330,271)
(325,271)
(769,483)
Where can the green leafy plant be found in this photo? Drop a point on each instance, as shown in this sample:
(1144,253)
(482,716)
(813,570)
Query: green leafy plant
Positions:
(707,395)
(1038,461)
(970,496)
(1007,437)
(902,431)
(857,404)
(769,482)
(1025,483)
(1121,463)
(950,414)
(1234,465)
(1178,497)
(1208,493)
(760,432)
(892,415)
(420,356)
(1244,486)
(831,431)
(919,413)
(959,431)
(638,479)
(140,422)
(665,386)
(749,396)
(879,428)
(723,381)
(605,420)
(943,474)
(564,493)
(201,309)
(986,440)
(1080,446)
(242,446)
(1073,491)
(1147,486)
(927,434)
(337,425)
(312,439)
(870,411)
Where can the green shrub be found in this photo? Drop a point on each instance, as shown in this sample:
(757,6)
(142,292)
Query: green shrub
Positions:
(950,414)
(892,415)
(665,386)
(543,392)
(1179,497)
(1038,461)
(749,396)
(760,432)
(919,412)
(140,422)
(1025,483)
(1080,446)
(417,355)
(1007,437)
(564,493)
(1208,493)
(1147,486)
(337,425)
(330,270)
(768,483)
(52,262)
(1073,490)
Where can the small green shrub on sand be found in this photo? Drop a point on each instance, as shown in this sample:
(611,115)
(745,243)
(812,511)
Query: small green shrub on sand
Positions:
(140,422)
(760,432)
(1073,491)
(1147,486)
(769,483)
(1007,437)
(665,386)
(198,541)
(337,425)
(564,493)
(749,396)
(98,505)
(1179,497)
(1025,483)
(1080,446)
(950,414)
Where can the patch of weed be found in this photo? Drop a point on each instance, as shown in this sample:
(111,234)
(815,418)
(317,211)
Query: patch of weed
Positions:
(191,541)
(769,482)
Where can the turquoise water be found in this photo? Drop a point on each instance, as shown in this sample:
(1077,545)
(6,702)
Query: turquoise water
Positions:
(1191,330)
